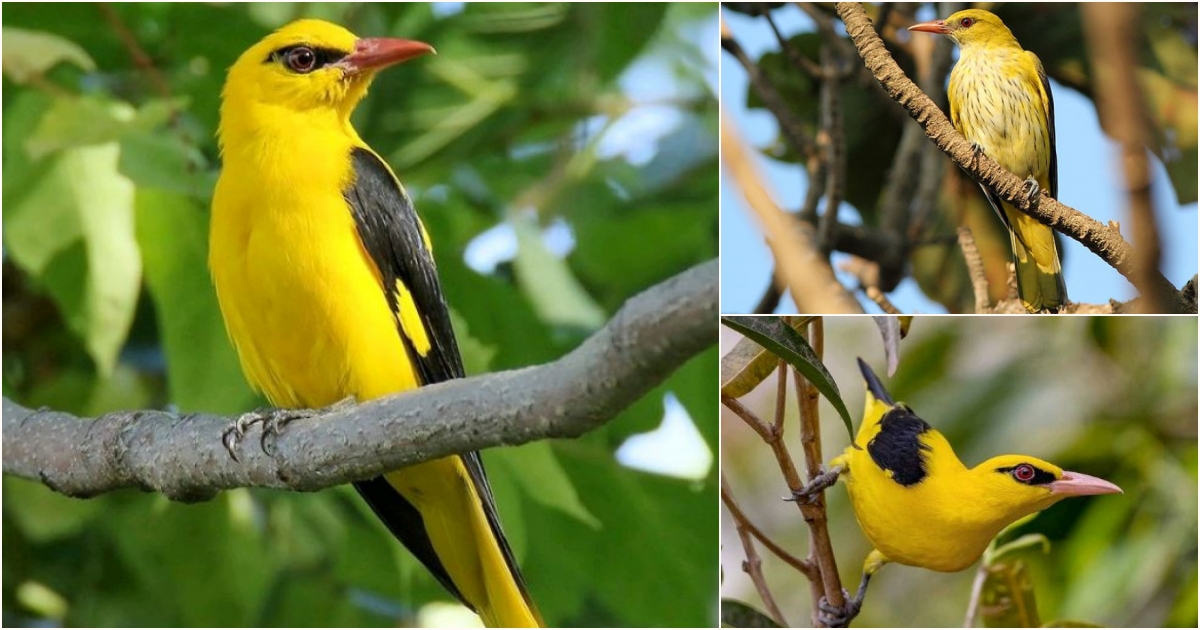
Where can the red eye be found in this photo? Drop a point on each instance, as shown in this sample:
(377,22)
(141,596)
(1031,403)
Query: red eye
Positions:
(1023,473)
(967,22)
(301,59)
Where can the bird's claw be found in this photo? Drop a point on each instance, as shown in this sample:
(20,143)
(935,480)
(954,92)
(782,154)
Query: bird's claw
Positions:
(818,484)
(1031,189)
(838,617)
(272,421)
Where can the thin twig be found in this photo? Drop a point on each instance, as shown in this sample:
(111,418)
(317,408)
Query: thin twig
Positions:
(761,428)
(976,595)
(799,61)
(979,284)
(140,58)
(752,565)
(880,298)
(739,516)
(791,127)
(781,397)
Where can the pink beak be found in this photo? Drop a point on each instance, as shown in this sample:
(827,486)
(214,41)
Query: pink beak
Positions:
(374,53)
(936,26)
(1075,484)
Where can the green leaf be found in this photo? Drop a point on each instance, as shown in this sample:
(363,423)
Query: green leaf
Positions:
(31,53)
(202,369)
(749,364)
(81,203)
(549,284)
(735,614)
(775,335)
(1008,599)
(536,469)
(745,367)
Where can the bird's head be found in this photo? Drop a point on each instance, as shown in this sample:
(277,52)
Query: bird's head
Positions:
(1011,486)
(312,65)
(969,28)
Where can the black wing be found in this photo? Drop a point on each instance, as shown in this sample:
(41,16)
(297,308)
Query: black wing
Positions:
(391,233)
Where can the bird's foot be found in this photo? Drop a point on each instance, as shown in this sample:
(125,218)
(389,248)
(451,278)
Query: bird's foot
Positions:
(817,485)
(1031,189)
(976,150)
(273,421)
(838,617)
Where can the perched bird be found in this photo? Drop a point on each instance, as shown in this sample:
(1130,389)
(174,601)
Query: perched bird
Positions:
(329,290)
(920,506)
(1000,100)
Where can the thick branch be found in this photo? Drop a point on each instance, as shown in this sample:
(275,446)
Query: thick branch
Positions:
(652,335)
(1103,241)
(797,260)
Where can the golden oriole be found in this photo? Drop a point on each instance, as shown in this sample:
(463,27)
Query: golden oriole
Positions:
(919,505)
(328,288)
(1000,100)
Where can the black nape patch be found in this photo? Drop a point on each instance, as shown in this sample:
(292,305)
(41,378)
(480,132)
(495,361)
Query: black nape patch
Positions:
(898,448)
(1040,477)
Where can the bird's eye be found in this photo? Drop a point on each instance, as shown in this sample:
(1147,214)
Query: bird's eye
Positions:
(967,22)
(301,59)
(1023,473)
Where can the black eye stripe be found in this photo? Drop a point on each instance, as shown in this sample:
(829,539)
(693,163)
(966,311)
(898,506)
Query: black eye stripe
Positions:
(325,56)
(1040,477)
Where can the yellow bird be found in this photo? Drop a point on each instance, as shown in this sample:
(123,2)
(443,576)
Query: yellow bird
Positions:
(919,505)
(329,290)
(1000,100)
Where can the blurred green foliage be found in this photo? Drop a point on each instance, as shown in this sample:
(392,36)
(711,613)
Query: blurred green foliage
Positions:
(1112,397)
(572,148)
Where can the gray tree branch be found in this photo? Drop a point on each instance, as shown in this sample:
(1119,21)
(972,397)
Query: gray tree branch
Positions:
(182,456)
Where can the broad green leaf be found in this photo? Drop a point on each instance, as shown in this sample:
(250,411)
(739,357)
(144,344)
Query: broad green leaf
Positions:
(749,364)
(745,367)
(202,368)
(735,614)
(81,200)
(549,284)
(31,53)
(775,335)
(536,469)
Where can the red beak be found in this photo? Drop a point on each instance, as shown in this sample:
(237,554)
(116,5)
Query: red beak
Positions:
(936,26)
(374,53)
(1075,484)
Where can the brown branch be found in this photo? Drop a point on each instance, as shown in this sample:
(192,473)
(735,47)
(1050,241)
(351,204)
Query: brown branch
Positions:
(761,428)
(740,517)
(136,52)
(832,138)
(808,275)
(979,285)
(820,551)
(1101,240)
(1112,39)
(798,60)
(752,565)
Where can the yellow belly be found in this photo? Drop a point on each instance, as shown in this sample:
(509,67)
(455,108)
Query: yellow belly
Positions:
(302,301)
